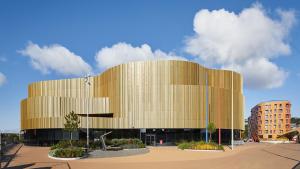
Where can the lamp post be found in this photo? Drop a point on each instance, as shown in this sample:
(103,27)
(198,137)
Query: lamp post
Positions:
(88,83)
(0,148)
(232,135)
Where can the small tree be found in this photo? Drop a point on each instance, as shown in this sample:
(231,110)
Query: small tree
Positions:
(72,123)
(211,129)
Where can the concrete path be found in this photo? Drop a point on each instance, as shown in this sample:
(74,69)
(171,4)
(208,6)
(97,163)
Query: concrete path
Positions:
(248,156)
(121,153)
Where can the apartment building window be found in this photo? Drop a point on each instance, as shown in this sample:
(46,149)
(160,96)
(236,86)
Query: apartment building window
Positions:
(271,131)
(270,116)
(266,116)
(287,121)
(279,126)
(274,121)
(266,131)
(274,126)
(287,105)
(274,116)
(266,122)
(281,131)
(275,106)
(287,116)
(266,127)
(275,110)
(280,110)
(259,131)
(266,111)
(280,106)
(270,121)
(279,116)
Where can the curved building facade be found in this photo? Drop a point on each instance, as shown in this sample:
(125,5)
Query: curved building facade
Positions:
(140,97)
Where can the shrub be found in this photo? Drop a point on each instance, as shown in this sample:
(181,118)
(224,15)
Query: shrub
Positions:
(61,144)
(95,144)
(68,152)
(282,139)
(200,146)
(185,145)
(127,143)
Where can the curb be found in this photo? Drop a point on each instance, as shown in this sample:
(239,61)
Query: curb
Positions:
(65,159)
(216,151)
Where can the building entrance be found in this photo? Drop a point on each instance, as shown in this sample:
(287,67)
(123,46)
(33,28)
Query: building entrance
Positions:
(150,139)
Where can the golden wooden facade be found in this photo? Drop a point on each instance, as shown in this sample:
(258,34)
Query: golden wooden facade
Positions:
(145,94)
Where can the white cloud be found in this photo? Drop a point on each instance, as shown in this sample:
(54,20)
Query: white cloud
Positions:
(246,42)
(2,79)
(123,53)
(260,73)
(55,58)
(3,59)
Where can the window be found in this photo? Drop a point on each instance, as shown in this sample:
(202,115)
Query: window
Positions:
(266,116)
(274,116)
(266,122)
(266,131)
(275,121)
(287,121)
(275,110)
(274,126)
(259,131)
(279,116)
(281,131)
(266,127)
(287,116)
(280,106)
(275,106)
(280,110)
(271,131)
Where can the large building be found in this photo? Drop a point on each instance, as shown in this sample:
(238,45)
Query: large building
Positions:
(270,119)
(154,100)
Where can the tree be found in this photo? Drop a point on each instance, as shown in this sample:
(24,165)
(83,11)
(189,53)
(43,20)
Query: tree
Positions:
(72,123)
(245,133)
(211,129)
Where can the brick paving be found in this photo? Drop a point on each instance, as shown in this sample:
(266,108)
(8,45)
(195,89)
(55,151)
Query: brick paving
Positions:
(251,155)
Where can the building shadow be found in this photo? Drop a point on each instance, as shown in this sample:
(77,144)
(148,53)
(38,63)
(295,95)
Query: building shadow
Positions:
(297,166)
(21,166)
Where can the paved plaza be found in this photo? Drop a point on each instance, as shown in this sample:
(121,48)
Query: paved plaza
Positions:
(250,155)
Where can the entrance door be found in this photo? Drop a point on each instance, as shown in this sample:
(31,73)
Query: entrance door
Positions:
(150,139)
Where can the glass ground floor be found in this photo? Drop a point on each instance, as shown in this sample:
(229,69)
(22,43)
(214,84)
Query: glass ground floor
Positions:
(148,136)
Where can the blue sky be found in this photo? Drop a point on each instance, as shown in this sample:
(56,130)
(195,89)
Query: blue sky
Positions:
(88,32)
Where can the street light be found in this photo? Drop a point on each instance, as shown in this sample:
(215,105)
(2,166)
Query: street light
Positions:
(88,83)
(0,148)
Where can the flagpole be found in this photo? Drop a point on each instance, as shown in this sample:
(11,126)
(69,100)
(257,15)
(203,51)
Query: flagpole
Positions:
(232,110)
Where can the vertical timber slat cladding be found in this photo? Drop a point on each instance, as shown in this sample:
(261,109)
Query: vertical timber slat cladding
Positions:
(144,94)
